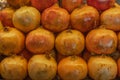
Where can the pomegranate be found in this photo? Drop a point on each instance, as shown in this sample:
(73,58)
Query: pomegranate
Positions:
(102,68)
(85,19)
(26,19)
(6,16)
(110,19)
(70,5)
(118,41)
(13,68)
(72,68)
(55,19)
(40,41)
(101,5)
(101,41)
(43,4)
(11,41)
(18,3)
(70,42)
(42,67)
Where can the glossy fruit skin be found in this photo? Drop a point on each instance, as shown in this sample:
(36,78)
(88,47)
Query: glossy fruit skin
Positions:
(55,19)
(84,19)
(42,4)
(101,5)
(26,19)
(101,41)
(102,68)
(110,19)
(72,68)
(70,5)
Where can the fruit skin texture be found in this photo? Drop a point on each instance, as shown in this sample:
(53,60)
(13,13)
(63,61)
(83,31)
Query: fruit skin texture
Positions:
(102,68)
(70,42)
(42,67)
(70,5)
(101,41)
(84,19)
(6,15)
(13,68)
(55,19)
(40,41)
(42,4)
(110,19)
(72,68)
(101,5)
(26,18)
(11,41)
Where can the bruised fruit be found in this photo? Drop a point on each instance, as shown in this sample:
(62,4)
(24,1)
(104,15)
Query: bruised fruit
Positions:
(6,16)
(85,19)
(11,41)
(70,5)
(102,68)
(72,68)
(55,19)
(43,4)
(110,19)
(26,19)
(13,68)
(70,42)
(40,41)
(42,67)
(101,41)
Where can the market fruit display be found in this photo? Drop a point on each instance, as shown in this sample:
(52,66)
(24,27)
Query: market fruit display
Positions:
(59,40)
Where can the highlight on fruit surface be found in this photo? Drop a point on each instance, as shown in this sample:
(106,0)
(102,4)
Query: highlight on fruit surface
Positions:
(55,19)
(13,68)
(102,68)
(101,41)
(40,41)
(85,19)
(42,67)
(101,5)
(72,68)
(26,18)
(11,41)
(70,42)
(110,19)
(70,5)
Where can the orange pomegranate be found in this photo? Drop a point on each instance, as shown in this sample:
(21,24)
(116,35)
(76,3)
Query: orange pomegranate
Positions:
(101,41)
(26,18)
(72,68)
(40,41)
(70,42)
(102,68)
(84,19)
(11,41)
(55,19)
(42,67)
(13,68)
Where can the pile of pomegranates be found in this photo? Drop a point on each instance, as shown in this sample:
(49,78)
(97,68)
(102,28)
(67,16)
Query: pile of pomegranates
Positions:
(59,40)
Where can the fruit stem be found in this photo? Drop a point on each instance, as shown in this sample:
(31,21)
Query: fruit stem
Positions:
(47,55)
(69,31)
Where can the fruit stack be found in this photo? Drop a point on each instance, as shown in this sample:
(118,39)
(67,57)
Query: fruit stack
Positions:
(59,40)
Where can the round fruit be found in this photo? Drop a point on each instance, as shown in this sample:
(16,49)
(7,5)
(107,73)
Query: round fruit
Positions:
(110,19)
(13,68)
(11,41)
(119,41)
(70,5)
(118,65)
(101,5)
(72,68)
(42,67)
(101,41)
(102,68)
(70,42)
(40,41)
(26,18)
(55,19)
(84,19)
